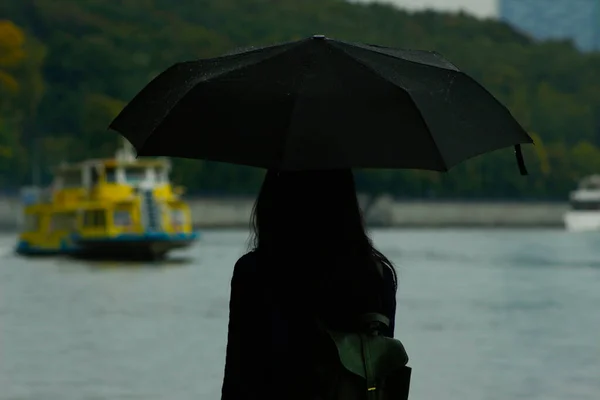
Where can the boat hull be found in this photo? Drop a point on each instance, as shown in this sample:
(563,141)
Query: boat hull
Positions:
(582,221)
(32,249)
(149,245)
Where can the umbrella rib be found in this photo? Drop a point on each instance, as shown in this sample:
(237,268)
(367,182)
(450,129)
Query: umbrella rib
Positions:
(377,49)
(443,162)
(286,140)
(371,69)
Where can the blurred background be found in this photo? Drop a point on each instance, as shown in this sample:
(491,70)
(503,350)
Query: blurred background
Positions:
(486,308)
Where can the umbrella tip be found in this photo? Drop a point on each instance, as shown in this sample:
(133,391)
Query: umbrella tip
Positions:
(319,37)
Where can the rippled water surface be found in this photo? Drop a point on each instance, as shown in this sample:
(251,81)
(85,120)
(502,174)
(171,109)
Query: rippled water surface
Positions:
(485,315)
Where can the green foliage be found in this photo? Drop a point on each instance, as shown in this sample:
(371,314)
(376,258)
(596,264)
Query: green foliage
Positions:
(21,89)
(71,66)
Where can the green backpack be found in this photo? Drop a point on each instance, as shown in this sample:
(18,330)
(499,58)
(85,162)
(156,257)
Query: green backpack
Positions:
(369,367)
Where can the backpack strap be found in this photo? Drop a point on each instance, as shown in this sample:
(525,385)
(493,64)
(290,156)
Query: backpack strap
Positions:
(368,365)
(373,323)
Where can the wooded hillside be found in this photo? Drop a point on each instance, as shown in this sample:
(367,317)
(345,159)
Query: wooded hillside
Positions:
(67,68)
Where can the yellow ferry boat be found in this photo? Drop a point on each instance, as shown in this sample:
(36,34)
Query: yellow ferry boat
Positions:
(109,208)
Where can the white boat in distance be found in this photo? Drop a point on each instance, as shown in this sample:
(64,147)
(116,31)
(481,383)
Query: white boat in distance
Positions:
(584,212)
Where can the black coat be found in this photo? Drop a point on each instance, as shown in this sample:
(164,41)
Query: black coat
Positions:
(251,365)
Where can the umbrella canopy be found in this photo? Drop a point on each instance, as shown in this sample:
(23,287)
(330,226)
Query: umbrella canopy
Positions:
(319,104)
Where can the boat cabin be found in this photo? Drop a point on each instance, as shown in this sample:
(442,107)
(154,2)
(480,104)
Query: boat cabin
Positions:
(89,174)
(587,195)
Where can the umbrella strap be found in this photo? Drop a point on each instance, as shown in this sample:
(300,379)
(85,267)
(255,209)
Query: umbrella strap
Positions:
(520,160)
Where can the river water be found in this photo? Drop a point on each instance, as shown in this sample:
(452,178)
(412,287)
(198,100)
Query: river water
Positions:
(484,315)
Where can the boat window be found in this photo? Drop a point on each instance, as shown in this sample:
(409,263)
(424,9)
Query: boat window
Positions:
(95,176)
(122,218)
(63,222)
(32,222)
(111,175)
(590,183)
(162,175)
(585,205)
(30,195)
(177,217)
(135,175)
(72,179)
(94,219)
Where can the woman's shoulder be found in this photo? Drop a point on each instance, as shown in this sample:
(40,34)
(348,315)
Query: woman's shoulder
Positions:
(246,265)
(250,258)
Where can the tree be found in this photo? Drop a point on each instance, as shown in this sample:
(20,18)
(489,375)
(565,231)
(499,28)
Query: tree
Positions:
(12,54)
(101,53)
(21,88)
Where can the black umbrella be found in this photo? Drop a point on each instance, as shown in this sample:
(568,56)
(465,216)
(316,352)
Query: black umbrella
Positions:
(320,103)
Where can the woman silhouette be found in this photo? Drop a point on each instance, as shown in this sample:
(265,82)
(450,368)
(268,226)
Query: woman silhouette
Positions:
(311,258)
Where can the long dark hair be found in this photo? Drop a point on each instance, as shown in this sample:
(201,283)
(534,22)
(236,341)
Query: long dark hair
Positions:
(310,227)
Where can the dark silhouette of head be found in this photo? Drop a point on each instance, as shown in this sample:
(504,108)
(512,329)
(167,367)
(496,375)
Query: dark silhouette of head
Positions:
(310,226)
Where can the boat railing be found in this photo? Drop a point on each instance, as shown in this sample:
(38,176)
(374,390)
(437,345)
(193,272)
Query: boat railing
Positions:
(31,195)
(591,182)
(585,195)
(35,195)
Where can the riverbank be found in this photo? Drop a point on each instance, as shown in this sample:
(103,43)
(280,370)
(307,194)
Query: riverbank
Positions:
(386,212)
(222,212)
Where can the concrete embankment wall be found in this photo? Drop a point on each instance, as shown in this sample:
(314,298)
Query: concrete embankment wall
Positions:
(10,213)
(235,212)
(388,212)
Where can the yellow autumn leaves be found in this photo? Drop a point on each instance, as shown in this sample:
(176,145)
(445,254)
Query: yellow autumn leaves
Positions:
(12,53)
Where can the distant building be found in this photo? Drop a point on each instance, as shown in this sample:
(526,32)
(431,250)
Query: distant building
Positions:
(577,20)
